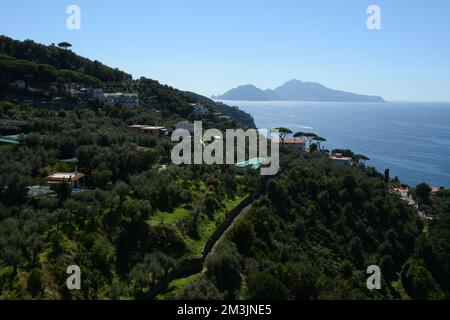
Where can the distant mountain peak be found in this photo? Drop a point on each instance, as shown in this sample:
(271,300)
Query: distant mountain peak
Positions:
(296,90)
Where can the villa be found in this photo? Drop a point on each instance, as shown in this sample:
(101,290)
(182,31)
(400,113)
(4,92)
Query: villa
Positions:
(405,195)
(76,179)
(338,157)
(200,109)
(153,130)
(125,99)
(298,143)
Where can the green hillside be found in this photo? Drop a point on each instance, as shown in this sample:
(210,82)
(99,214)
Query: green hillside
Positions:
(143,228)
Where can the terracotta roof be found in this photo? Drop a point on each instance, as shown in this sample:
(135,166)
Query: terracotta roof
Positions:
(69,176)
(291,141)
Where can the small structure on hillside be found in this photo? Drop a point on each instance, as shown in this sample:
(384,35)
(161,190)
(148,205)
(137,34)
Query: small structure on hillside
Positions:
(224,118)
(405,195)
(13,139)
(40,192)
(125,99)
(153,130)
(298,143)
(254,163)
(435,190)
(200,109)
(75,179)
(11,127)
(338,157)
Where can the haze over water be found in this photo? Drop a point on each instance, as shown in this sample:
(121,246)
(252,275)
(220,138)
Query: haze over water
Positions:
(412,139)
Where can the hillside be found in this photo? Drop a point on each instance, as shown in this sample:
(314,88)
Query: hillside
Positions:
(295,90)
(137,220)
(234,112)
(59,58)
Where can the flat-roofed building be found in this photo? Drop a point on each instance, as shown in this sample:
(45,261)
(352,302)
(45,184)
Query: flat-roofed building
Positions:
(298,143)
(200,109)
(338,157)
(153,130)
(125,99)
(76,179)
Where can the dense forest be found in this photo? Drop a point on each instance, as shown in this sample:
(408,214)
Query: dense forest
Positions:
(310,233)
(59,57)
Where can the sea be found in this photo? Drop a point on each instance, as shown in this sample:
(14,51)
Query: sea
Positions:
(412,139)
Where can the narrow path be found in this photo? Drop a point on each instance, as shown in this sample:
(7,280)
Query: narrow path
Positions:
(239,217)
(196,265)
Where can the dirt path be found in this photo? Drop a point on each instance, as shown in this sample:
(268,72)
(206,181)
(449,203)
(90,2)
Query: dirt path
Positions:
(241,214)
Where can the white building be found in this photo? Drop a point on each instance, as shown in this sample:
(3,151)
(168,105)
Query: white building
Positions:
(405,195)
(153,130)
(125,99)
(338,157)
(200,109)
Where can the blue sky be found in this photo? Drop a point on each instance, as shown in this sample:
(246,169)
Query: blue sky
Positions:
(210,46)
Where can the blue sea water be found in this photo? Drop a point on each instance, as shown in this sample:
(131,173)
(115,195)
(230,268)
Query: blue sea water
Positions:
(412,139)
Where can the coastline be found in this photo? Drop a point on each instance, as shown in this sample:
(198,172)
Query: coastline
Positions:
(409,138)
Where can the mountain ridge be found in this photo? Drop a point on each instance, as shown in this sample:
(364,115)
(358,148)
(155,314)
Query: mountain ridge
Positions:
(296,90)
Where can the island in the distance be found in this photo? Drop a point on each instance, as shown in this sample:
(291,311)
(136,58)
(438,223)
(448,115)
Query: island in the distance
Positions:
(295,90)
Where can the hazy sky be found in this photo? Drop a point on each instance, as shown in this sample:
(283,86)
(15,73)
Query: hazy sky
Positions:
(210,46)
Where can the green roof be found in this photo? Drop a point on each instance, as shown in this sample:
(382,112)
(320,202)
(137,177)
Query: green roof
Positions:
(39,191)
(9,141)
(255,163)
(14,137)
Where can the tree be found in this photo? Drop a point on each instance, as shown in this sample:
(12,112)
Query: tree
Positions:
(418,281)
(360,157)
(283,133)
(63,190)
(64,45)
(223,268)
(152,269)
(35,282)
(319,140)
(309,136)
(299,134)
(423,191)
(387,176)
(263,286)
(200,289)
(101,177)
(244,236)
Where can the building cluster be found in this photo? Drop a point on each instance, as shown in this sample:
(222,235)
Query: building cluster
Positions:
(74,179)
(200,109)
(87,93)
(125,99)
(114,98)
(405,195)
